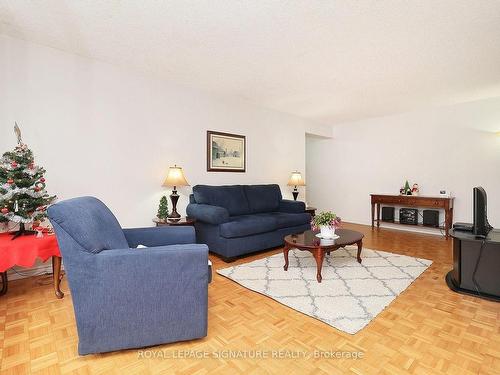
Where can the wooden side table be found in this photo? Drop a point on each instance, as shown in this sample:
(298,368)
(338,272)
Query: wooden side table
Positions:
(24,251)
(311,211)
(182,221)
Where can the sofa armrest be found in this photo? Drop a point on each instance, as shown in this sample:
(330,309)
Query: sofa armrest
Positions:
(208,213)
(294,207)
(160,236)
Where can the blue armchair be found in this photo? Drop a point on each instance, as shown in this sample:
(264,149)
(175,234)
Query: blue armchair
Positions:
(125,297)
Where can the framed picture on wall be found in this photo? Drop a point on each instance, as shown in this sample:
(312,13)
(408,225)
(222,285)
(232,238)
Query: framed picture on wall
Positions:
(226,152)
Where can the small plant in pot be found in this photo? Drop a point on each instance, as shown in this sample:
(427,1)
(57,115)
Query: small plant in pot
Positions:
(326,223)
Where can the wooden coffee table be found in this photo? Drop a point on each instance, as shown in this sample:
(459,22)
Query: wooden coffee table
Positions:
(308,241)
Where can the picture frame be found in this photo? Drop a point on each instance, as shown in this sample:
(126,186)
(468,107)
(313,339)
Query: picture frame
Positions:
(226,152)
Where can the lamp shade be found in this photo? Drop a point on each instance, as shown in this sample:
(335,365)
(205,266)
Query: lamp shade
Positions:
(175,177)
(296,179)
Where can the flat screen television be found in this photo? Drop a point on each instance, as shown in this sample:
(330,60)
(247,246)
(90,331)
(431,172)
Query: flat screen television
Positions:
(481,227)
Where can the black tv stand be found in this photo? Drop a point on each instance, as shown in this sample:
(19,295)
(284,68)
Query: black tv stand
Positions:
(476,262)
(451,284)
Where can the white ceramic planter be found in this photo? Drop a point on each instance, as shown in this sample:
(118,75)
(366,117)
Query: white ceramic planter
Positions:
(327,231)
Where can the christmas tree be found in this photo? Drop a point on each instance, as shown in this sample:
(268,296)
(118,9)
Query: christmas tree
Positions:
(23,198)
(407,188)
(163,209)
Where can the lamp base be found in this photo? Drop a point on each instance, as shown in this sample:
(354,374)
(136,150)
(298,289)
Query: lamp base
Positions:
(295,194)
(174,219)
(174,215)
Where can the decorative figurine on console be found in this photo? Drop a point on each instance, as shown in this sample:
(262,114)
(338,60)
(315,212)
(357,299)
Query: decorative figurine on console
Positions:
(407,189)
(415,190)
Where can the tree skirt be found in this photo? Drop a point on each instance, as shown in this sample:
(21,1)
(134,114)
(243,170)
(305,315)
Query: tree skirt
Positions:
(350,294)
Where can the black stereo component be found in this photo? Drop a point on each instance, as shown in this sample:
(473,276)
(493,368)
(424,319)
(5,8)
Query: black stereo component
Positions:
(408,216)
(388,214)
(431,218)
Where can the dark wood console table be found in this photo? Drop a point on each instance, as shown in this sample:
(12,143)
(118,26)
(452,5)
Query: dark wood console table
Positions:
(443,203)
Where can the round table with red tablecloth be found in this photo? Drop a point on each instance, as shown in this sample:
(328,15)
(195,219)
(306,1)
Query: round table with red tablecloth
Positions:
(24,251)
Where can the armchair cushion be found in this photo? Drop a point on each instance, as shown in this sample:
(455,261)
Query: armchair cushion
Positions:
(231,197)
(159,236)
(292,206)
(207,213)
(90,223)
(263,198)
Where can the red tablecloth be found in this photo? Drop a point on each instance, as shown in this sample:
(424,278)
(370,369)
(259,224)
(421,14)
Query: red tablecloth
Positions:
(24,250)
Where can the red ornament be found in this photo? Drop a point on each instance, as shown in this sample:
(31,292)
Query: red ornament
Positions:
(42,179)
(10,181)
(37,189)
(13,164)
(4,210)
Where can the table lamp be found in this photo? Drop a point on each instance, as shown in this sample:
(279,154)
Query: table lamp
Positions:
(175,177)
(296,180)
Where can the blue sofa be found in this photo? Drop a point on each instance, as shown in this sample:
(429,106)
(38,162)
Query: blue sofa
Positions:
(234,220)
(125,297)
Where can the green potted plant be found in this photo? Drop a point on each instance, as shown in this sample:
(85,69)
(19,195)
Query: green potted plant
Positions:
(162,214)
(326,222)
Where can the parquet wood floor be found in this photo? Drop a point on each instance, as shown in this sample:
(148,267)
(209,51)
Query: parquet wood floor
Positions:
(427,330)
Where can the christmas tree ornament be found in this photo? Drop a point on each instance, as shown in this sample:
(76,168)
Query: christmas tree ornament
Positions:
(22,188)
(39,185)
(17,131)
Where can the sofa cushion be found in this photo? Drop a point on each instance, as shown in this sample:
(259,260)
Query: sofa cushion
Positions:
(246,225)
(287,220)
(90,223)
(231,197)
(263,198)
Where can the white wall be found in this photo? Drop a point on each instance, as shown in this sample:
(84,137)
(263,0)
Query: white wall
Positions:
(438,148)
(105,131)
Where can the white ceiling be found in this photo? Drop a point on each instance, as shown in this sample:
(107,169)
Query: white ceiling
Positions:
(328,61)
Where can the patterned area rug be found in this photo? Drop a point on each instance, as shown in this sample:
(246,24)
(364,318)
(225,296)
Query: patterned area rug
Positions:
(350,294)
